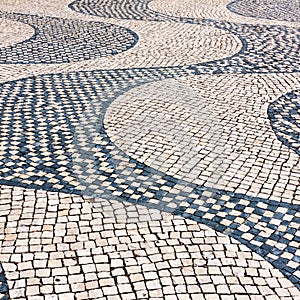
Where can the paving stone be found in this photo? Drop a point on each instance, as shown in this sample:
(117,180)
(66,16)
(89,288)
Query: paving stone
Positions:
(149,149)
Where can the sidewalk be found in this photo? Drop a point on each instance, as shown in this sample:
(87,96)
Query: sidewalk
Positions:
(149,150)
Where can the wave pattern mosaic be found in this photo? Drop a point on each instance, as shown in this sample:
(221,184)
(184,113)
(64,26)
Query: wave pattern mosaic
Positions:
(61,41)
(278,10)
(168,179)
(284,115)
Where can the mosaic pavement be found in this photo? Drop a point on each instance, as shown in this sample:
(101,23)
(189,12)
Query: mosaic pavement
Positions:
(150,149)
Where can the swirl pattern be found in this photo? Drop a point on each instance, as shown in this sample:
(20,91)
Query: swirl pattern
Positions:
(278,10)
(150,151)
(63,41)
(284,115)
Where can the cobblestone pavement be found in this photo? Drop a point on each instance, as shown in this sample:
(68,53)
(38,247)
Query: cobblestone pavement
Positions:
(150,149)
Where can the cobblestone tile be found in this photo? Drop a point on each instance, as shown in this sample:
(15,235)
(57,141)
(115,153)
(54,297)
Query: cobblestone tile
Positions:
(244,11)
(182,116)
(278,10)
(158,258)
(172,127)
(60,41)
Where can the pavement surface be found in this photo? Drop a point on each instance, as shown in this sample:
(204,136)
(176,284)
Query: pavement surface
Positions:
(150,149)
